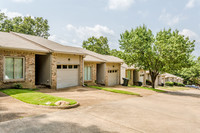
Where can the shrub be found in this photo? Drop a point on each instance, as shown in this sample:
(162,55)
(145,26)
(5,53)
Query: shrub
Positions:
(138,83)
(180,84)
(18,86)
(175,83)
(169,84)
(148,82)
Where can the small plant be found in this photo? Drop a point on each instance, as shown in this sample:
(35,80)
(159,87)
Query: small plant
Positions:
(180,84)
(169,84)
(148,82)
(175,83)
(18,86)
(138,83)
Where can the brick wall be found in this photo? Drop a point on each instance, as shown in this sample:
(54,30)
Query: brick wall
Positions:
(93,76)
(29,76)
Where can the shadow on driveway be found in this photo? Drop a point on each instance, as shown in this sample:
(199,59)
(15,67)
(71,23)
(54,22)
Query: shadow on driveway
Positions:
(49,126)
(179,93)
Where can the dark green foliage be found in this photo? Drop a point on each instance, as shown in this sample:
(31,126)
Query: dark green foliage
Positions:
(148,82)
(164,52)
(27,25)
(169,83)
(180,84)
(18,86)
(98,45)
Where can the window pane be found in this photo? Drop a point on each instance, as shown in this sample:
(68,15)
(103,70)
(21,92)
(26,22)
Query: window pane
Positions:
(85,73)
(64,66)
(89,73)
(70,66)
(18,68)
(75,66)
(58,66)
(9,69)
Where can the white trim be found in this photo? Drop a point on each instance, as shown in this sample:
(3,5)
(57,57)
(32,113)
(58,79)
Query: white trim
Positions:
(13,80)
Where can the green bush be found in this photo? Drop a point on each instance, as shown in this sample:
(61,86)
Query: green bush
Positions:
(18,86)
(169,84)
(148,82)
(180,84)
(175,83)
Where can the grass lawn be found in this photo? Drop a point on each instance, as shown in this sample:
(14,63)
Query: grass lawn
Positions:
(33,97)
(115,91)
(175,88)
(157,90)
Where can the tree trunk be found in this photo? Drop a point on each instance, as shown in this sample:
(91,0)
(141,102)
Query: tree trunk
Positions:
(153,78)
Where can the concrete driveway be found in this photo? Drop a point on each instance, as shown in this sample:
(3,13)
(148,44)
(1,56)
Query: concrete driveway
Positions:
(176,112)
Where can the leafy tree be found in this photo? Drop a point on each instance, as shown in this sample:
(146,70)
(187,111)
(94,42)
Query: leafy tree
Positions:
(116,53)
(192,73)
(33,26)
(98,45)
(165,52)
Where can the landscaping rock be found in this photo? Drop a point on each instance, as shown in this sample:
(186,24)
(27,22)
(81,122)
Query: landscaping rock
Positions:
(61,103)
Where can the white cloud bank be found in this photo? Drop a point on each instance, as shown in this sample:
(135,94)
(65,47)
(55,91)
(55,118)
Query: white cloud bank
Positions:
(192,3)
(84,32)
(11,14)
(119,4)
(189,33)
(169,19)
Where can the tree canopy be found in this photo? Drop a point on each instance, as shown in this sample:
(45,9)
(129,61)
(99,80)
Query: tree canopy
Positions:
(98,45)
(33,26)
(165,52)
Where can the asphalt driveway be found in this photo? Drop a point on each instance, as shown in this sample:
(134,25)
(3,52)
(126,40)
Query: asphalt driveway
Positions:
(175,112)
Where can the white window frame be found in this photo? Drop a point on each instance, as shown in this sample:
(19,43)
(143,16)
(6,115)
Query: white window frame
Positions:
(88,73)
(4,70)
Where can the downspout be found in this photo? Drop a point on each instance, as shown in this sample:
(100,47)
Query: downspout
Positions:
(83,71)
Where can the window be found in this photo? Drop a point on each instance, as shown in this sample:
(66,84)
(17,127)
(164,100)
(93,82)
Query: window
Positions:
(14,68)
(75,66)
(87,73)
(64,66)
(58,66)
(129,74)
(70,66)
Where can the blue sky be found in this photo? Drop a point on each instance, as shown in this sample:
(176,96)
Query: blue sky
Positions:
(72,21)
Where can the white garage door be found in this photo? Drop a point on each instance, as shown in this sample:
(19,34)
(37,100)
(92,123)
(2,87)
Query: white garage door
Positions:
(113,77)
(67,76)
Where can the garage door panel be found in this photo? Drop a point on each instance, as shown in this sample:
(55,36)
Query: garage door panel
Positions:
(113,78)
(67,78)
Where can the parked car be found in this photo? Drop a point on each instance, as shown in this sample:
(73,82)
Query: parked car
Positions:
(193,86)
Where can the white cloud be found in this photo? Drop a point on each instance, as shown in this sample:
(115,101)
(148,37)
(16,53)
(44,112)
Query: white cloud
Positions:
(22,1)
(189,33)
(52,38)
(190,4)
(119,4)
(83,32)
(169,19)
(10,14)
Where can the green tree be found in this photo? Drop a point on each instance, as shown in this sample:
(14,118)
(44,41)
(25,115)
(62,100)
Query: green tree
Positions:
(116,53)
(98,45)
(167,51)
(33,26)
(191,74)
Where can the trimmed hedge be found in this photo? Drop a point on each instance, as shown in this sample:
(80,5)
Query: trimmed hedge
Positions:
(180,84)
(169,84)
